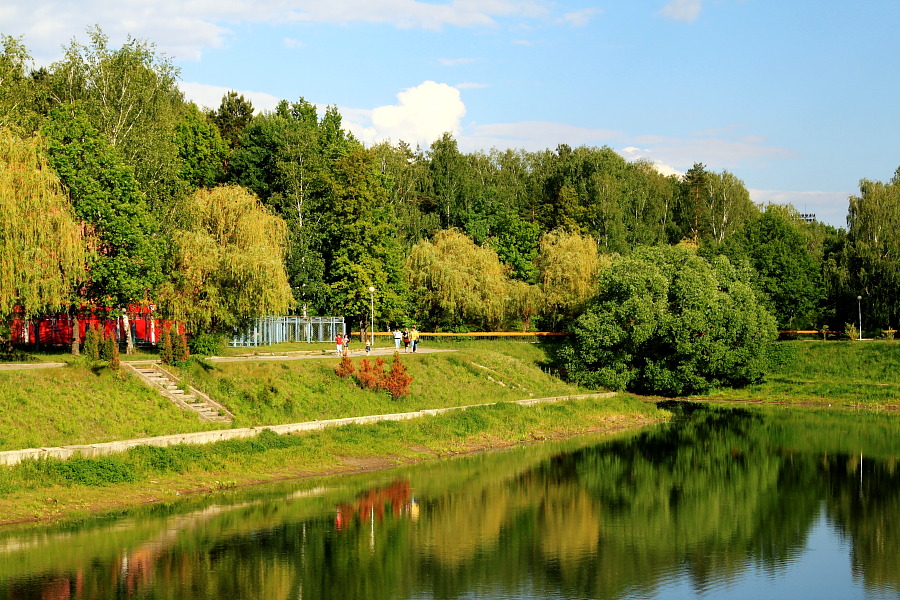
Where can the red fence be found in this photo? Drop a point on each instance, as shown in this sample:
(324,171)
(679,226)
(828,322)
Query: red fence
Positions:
(56,330)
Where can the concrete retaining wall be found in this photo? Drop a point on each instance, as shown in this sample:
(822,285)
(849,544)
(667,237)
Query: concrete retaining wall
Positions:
(12,457)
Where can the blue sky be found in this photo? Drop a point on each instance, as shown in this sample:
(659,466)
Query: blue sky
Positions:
(797,98)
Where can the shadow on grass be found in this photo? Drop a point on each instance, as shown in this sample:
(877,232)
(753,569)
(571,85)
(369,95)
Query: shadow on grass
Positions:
(553,362)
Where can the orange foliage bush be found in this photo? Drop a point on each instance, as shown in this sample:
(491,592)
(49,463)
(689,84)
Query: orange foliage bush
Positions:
(372,376)
(345,368)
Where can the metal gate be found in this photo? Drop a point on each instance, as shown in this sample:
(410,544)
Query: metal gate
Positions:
(275,330)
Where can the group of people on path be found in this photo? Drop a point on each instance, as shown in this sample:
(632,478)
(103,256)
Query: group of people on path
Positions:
(409,337)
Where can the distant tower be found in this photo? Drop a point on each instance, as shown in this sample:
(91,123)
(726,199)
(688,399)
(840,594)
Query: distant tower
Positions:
(808,217)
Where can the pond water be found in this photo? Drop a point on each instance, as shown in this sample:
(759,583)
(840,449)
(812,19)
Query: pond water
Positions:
(721,503)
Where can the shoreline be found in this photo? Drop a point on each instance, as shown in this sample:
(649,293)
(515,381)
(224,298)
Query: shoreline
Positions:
(67,503)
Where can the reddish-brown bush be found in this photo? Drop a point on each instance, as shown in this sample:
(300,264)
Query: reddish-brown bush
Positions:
(372,376)
(345,368)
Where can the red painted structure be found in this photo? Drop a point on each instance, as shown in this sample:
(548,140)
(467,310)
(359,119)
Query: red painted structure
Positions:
(56,330)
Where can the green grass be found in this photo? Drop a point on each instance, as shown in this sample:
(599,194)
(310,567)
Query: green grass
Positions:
(83,403)
(76,404)
(303,390)
(834,372)
(34,487)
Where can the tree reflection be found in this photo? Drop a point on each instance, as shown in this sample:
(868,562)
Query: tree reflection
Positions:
(704,499)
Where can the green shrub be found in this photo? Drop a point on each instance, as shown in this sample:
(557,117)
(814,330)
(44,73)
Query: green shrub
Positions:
(92,341)
(93,471)
(669,322)
(207,344)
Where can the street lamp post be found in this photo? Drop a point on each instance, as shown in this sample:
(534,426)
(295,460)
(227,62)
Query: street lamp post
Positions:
(372,300)
(859,306)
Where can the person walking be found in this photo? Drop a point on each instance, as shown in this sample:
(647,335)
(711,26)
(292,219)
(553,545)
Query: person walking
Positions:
(406,340)
(414,338)
(346,344)
(339,343)
(398,337)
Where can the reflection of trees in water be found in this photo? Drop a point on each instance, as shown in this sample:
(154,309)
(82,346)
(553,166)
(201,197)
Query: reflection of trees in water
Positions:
(864,504)
(716,492)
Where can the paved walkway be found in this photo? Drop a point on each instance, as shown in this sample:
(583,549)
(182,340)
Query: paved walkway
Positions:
(355,352)
(25,366)
(295,355)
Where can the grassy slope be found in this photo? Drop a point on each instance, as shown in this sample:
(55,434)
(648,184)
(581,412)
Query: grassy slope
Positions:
(76,405)
(296,390)
(303,390)
(836,372)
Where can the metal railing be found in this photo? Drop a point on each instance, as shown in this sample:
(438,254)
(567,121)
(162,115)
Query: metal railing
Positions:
(276,330)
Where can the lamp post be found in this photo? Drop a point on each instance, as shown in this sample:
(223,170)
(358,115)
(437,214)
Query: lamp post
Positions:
(859,306)
(372,300)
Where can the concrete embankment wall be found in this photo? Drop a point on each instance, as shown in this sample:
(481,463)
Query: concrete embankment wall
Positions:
(12,457)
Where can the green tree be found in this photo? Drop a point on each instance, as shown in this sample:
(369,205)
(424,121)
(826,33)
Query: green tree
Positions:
(785,271)
(871,266)
(729,205)
(227,262)
(447,178)
(18,89)
(41,245)
(694,195)
(126,263)
(282,158)
(201,149)
(666,321)
(131,96)
(232,116)
(403,175)
(364,249)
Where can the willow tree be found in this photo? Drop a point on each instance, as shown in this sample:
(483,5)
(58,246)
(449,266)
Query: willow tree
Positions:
(568,264)
(227,261)
(457,284)
(41,246)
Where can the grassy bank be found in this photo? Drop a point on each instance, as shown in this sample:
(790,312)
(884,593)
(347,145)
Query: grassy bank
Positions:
(839,373)
(78,404)
(46,489)
(304,390)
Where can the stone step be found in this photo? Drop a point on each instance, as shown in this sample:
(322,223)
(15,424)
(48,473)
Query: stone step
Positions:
(167,383)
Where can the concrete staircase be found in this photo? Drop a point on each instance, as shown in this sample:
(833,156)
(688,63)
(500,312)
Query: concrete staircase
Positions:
(193,399)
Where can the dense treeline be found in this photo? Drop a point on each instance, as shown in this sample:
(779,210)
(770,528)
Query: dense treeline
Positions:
(226,214)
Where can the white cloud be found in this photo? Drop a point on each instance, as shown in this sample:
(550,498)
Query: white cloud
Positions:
(580,18)
(716,152)
(455,62)
(682,10)
(210,96)
(292,43)
(185,29)
(422,114)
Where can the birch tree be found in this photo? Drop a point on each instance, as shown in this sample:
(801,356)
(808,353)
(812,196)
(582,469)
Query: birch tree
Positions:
(131,96)
(872,257)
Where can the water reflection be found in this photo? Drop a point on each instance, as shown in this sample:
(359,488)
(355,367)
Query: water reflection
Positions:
(721,503)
